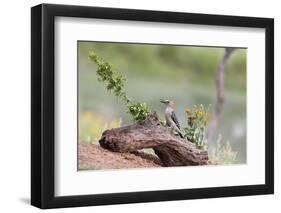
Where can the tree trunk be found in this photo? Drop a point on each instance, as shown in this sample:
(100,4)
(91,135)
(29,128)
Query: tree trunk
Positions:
(171,149)
(220,92)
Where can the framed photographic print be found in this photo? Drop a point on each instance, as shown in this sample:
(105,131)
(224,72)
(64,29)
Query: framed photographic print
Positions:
(139,106)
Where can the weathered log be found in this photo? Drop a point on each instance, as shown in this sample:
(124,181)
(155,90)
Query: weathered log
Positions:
(171,149)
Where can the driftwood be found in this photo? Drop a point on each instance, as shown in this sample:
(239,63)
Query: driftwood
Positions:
(171,149)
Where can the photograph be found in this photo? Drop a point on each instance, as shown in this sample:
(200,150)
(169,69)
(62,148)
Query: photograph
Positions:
(160,105)
(138,105)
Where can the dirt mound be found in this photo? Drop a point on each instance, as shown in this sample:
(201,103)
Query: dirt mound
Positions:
(92,156)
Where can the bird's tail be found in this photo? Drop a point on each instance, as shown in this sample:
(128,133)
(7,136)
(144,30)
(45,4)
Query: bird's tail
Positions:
(178,132)
(180,135)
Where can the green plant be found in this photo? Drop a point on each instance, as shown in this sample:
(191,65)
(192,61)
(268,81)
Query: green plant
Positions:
(139,111)
(222,154)
(197,120)
(115,84)
(162,121)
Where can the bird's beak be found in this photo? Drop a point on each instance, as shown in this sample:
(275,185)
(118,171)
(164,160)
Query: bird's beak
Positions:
(162,101)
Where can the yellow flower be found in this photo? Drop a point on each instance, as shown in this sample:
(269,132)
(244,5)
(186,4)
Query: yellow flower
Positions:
(187,110)
(88,115)
(114,124)
(206,122)
(96,131)
(198,113)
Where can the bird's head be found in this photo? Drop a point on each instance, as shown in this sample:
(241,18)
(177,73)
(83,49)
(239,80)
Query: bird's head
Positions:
(169,103)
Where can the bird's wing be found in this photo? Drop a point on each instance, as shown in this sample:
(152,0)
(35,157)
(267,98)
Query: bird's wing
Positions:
(174,118)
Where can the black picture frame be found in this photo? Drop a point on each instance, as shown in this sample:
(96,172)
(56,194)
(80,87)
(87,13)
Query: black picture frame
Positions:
(43,105)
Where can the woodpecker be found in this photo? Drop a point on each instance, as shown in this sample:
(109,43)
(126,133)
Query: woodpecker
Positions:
(171,118)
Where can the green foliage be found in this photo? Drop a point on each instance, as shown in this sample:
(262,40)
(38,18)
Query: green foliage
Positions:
(115,84)
(222,154)
(139,111)
(162,121)
(197,120)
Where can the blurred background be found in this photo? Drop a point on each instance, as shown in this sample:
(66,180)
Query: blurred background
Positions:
(185,74)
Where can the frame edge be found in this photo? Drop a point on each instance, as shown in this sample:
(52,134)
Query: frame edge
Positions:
(269,105)
(36,85)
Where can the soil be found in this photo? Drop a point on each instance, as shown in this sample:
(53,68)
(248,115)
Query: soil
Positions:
(93,156)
